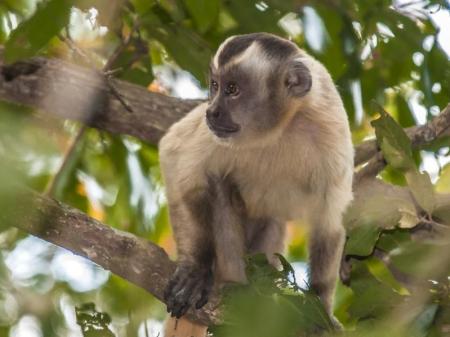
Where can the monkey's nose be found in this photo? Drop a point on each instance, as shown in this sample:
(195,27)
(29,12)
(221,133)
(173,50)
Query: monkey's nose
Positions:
(213,113)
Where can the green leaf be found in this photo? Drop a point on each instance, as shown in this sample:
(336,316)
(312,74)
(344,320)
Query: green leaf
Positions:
(421,259)
(443,184)
(189,50)
(390,240)
(204,12)
(251,19)
(422,189)
(23,7)
(33,34)
(394,142)
(362,240)
(3,25)
(424,321)
(372,298)
(381,272)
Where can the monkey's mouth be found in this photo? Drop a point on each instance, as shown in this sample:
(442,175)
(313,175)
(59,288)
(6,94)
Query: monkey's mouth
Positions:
(222,131)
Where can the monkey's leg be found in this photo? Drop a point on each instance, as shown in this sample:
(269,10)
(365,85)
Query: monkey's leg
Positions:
(325,252)
(266,236)
(228,219)
(193,280)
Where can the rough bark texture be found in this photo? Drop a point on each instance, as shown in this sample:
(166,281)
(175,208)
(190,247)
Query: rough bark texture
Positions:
(71,92)
(137,260)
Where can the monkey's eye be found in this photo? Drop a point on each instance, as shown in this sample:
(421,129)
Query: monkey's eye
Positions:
(232,89)
(214,85)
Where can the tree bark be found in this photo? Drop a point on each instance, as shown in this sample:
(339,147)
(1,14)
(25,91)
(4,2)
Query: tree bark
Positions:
(61,89)
(137,260)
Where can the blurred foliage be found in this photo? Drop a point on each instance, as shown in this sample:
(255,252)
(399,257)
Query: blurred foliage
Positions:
(92,322)
(375,50)
(271,305)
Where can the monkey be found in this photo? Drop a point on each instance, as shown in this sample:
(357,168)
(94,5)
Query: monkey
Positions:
(272,144)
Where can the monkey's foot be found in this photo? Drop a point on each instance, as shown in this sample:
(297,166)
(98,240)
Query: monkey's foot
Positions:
(189,287)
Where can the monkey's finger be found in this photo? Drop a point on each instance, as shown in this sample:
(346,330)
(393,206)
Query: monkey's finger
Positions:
(173,298)
(183,299)
(171,302)
(184,287)
(203,298)
(170,286)
(196,294)
(180,310)
(202,301)
(207,288)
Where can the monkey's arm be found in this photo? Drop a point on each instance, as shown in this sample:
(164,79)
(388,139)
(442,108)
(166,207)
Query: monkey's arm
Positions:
(182,157)
(192,280)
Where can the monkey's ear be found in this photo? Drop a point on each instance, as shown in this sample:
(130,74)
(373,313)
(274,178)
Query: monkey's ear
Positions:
(298,79)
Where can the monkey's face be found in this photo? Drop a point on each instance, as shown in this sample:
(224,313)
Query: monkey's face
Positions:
(255,81)
(237,106)
(246,105)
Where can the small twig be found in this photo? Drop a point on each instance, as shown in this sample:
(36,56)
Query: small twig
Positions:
(73,46)
(146,328)
(123,45)
(428,223)
(112,60)
(112,71)
(52,186)
(372,168)
(116,93)
(398,275)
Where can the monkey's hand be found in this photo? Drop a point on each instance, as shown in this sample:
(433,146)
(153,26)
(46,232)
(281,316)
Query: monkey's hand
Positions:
(190,286)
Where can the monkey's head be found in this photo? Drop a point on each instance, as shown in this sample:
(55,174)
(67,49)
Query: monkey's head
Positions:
(256,81)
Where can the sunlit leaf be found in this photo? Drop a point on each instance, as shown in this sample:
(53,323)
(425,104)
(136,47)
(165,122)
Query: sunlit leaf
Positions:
(394,142)
(362,240)
(422,189)
(371,297)
(390,240)
(443,183)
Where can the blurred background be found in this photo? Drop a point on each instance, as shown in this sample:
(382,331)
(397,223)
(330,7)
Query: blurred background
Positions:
(393,52)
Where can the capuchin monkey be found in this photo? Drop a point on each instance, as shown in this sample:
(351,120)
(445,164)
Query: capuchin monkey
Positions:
(272,144)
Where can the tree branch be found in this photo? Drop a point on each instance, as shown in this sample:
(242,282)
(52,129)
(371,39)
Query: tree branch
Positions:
(137,260)
(53,85)
(68,91)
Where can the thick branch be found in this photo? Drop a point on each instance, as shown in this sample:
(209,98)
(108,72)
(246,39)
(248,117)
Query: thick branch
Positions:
(69,91)
(136,260)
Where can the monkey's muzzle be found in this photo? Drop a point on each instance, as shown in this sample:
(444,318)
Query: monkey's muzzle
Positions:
(221,130)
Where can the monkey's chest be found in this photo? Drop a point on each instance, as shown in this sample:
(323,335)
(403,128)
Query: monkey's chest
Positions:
(272,195)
